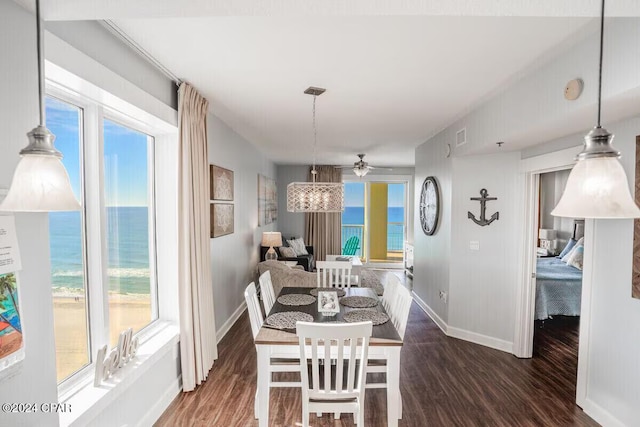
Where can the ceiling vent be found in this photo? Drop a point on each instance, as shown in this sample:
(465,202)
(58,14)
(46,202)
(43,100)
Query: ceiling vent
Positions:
(461,137)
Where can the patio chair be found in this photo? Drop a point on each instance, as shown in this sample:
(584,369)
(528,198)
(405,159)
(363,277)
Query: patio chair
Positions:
(351,246)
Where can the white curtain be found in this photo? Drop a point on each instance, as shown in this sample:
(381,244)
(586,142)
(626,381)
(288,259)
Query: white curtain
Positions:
(198,344)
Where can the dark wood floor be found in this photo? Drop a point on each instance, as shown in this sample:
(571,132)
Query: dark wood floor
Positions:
(444,382)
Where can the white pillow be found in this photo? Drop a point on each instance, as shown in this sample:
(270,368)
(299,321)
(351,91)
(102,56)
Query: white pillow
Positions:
(298,246)
(287,252)
(580,242)
(576,257)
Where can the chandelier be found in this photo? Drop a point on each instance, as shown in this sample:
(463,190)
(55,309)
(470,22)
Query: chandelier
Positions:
(315,196)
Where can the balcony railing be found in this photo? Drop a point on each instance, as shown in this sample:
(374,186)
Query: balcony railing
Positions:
(395,235)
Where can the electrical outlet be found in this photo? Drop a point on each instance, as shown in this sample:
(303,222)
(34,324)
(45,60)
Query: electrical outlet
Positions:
(443,296)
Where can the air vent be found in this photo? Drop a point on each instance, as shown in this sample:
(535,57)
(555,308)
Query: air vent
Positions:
(461,137)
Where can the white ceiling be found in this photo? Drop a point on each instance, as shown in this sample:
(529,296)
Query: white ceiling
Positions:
(394,77)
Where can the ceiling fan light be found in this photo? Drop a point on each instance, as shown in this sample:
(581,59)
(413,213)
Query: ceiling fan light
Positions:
(360,171)
(597,188)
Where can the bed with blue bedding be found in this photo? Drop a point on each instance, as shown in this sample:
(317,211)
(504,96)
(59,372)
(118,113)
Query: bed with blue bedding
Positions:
(558,289)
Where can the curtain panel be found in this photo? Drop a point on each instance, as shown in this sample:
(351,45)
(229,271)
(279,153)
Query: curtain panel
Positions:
(323,230)
(198,343)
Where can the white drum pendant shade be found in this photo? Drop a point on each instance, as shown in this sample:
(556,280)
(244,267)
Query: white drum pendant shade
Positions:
(40,184)
(597,188)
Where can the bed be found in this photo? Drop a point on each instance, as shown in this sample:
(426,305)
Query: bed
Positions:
(558,285)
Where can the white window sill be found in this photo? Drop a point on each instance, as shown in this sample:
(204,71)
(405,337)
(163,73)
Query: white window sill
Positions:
(89,400)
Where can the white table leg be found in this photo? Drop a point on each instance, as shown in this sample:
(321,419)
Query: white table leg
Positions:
(393,387)
(263,385)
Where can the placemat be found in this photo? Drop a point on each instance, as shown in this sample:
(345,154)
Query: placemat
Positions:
(340,292)
(287,319)
(359,302)
(376,317)
(296,299)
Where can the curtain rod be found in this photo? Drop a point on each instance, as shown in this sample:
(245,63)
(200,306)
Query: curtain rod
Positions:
(118,32)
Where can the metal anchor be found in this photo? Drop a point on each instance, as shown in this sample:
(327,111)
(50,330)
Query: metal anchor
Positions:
(483,208)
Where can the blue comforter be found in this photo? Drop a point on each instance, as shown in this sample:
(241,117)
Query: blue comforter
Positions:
(558,288)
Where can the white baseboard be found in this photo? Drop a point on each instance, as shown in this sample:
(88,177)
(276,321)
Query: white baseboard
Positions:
(220,333)
(432,314)
(601,415)
(155,412)
(463,334)
(484,340)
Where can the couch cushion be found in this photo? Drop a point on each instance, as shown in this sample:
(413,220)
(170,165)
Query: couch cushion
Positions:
(298,246)
(287,252)
(282,275)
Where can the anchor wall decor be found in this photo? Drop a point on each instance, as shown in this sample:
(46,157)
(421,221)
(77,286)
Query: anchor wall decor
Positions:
(483,209)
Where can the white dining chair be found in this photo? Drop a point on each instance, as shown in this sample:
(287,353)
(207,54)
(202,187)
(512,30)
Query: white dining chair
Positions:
(334,274)
(277,363)
(266,288)
(347,345)
(391,285)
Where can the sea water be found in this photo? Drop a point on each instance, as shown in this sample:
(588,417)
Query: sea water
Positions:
(354,215)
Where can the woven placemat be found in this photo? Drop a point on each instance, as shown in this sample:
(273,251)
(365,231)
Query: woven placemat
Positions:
(359,302)
(376,317)
(296,299)
(340,292)
(287,319)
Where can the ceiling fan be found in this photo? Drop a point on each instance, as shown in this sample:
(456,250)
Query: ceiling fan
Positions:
(361,168)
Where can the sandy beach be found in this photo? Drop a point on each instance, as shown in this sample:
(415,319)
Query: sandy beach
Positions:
(125,311)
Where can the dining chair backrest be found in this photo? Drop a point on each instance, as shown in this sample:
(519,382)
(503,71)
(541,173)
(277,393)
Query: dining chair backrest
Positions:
(391,285)
(253,307)
(344,346)
(334,274)
(400,310)
(268,295)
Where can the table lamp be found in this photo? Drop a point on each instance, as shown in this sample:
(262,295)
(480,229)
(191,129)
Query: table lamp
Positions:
(271,239)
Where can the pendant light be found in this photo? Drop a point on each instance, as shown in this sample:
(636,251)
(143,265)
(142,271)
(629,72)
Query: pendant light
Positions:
(597,186)
(40,181)
(315,196)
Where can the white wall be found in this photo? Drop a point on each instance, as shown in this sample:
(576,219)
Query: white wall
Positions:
(35,378)
(552,186)
(234,256)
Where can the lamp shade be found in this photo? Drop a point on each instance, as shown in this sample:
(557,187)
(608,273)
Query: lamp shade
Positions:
(546,234)
(272,238)
(597,188)
(315,197)
(40,184)
(360,171)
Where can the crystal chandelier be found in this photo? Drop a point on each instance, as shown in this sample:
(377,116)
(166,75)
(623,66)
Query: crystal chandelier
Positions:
(315,196)
(597,186)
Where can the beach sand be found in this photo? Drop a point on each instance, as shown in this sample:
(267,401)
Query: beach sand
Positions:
(125,311)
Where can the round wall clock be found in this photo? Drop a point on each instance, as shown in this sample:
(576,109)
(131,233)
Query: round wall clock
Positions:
(429,206)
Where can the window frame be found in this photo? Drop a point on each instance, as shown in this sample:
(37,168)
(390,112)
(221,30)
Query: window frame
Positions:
(94,245)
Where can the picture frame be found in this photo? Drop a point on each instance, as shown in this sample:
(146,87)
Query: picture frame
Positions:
(222,219)
(267,200)
(328,304)
(220,183)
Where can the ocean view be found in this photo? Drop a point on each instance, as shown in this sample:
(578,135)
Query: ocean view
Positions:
(354,215)
(128,246)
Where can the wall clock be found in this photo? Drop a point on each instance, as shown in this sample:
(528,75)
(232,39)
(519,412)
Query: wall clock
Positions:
(429,206)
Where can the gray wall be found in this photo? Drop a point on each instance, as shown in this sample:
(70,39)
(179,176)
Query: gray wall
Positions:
(234,256)
(290,224)
(551,188)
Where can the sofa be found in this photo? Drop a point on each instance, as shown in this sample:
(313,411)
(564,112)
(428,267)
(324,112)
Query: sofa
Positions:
(306,261)
(282,275)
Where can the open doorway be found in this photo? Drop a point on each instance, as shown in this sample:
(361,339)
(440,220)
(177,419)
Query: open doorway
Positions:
(558,278)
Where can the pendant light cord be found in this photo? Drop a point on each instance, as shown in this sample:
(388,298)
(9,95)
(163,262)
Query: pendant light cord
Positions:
(315,140)
(600,66)
(40,63)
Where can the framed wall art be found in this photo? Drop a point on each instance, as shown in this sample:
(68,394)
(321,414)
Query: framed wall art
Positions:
(221,219)
(267,200)
(221,183)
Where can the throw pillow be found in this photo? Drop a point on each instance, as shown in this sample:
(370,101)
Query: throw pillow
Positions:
(287,252)
(568,255)
(298,246)
(576,258)
(570,244)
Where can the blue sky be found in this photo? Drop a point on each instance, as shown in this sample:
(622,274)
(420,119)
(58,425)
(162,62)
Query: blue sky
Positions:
(354,194)
(125,153)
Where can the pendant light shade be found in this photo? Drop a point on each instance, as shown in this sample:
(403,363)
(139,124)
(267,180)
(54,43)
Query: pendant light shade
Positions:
(360,172)
(40,182)
(597,186)
(315,196)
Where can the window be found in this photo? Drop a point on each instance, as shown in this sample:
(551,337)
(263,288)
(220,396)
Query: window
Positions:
(103,257)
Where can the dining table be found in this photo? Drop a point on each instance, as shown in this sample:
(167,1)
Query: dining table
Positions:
(385,344)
